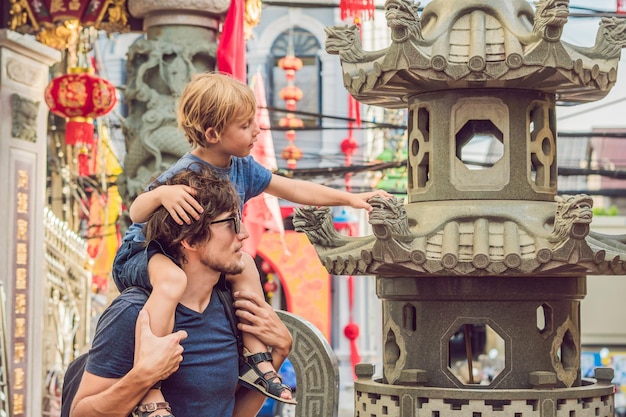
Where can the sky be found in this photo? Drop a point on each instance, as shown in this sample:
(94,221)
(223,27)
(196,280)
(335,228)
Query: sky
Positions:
(611,110)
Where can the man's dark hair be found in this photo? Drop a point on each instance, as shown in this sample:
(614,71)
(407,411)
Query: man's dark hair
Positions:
(215,194)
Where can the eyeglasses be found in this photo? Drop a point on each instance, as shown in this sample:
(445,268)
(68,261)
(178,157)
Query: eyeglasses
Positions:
(236,222)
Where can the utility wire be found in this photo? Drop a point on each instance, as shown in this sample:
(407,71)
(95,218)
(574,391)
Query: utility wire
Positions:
(619,174)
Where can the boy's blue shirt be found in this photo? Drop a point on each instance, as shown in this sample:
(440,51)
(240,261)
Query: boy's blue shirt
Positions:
(247,176)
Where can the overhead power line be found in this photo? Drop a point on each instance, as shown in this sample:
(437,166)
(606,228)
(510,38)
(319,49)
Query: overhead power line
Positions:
(584,11)
(380,125)
(619,174)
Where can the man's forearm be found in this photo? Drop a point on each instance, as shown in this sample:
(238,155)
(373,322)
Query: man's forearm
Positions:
(110,397)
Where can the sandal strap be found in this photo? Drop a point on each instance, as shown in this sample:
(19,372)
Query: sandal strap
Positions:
(143,410)
(270,376)
(257,358)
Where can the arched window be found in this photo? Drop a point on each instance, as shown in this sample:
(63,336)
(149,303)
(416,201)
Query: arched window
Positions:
(306,47)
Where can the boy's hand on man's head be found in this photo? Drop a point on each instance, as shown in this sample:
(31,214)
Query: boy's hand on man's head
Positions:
(180,203)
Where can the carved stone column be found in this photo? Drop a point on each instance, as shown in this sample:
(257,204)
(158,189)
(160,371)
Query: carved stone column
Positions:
(180,41)
(482,272)
(24,75)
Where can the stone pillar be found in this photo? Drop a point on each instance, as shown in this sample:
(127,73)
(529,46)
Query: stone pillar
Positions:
(24,75)
(481,271)
(181,40)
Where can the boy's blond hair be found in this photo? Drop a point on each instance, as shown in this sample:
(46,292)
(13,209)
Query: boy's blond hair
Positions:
(213,100)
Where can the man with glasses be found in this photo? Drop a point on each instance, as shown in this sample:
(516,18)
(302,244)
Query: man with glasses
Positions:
(236,219)
(198,363)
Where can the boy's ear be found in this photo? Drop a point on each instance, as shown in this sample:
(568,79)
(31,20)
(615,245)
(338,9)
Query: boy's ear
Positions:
(211,136)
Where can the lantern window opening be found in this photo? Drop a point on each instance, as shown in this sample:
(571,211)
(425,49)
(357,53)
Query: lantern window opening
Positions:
(476,354)
(479,144)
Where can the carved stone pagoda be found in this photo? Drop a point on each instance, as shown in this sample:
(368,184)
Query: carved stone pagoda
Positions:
(490,250)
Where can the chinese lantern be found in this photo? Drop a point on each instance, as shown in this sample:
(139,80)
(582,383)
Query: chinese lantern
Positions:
(80,96)
(291,94)
(290,64)
(291,154)
(358,9)
(291,121)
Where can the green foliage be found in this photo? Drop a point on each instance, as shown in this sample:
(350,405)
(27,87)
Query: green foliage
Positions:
(603,211)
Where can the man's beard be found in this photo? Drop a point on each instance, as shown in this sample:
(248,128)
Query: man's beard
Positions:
(232,268)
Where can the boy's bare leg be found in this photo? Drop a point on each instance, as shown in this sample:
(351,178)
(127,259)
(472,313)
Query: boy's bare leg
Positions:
(168,284)
(249,280)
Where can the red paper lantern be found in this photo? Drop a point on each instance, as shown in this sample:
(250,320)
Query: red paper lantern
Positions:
(348,146)
(80,96)
(358,9)
(290,64)
(351,331)
(291,92)
(291,122)
(291,154)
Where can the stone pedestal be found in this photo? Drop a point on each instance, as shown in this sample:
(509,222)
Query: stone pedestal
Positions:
(24,75)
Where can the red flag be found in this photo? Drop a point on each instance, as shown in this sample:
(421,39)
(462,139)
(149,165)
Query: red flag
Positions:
(263,211)
(621,7)
(231,49)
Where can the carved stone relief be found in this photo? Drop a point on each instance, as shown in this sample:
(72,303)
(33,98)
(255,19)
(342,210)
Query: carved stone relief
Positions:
(24,118)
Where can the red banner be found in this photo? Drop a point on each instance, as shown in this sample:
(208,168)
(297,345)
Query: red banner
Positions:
(231,48)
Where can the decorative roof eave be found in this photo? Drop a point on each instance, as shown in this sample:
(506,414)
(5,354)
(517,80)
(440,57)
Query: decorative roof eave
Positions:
(486,244)
(505,53)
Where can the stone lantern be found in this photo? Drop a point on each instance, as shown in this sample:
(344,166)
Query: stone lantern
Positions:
(491,256)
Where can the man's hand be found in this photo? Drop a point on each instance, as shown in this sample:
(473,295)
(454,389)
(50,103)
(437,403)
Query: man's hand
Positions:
(179,201)
(263,321)
(155,355)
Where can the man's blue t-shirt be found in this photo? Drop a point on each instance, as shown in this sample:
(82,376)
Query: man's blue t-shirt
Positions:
(206,379)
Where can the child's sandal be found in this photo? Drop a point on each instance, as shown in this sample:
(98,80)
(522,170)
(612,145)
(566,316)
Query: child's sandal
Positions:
(145,410)
(265,383)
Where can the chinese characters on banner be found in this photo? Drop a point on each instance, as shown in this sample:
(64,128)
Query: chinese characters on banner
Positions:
(21,264)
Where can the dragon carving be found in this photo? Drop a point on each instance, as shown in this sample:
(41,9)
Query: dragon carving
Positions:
(158,72)
(390,225)
(389,220)
(406,35)
(550,17)
(345,41)
(611,37)
(24,120)
(403,20)
(572,218)
(317,223)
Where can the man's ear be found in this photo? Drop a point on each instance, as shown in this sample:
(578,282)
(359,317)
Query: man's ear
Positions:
(187,246)
(211,135)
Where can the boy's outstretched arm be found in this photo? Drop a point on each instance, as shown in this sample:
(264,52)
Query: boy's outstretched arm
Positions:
(178,200)
(313,194)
